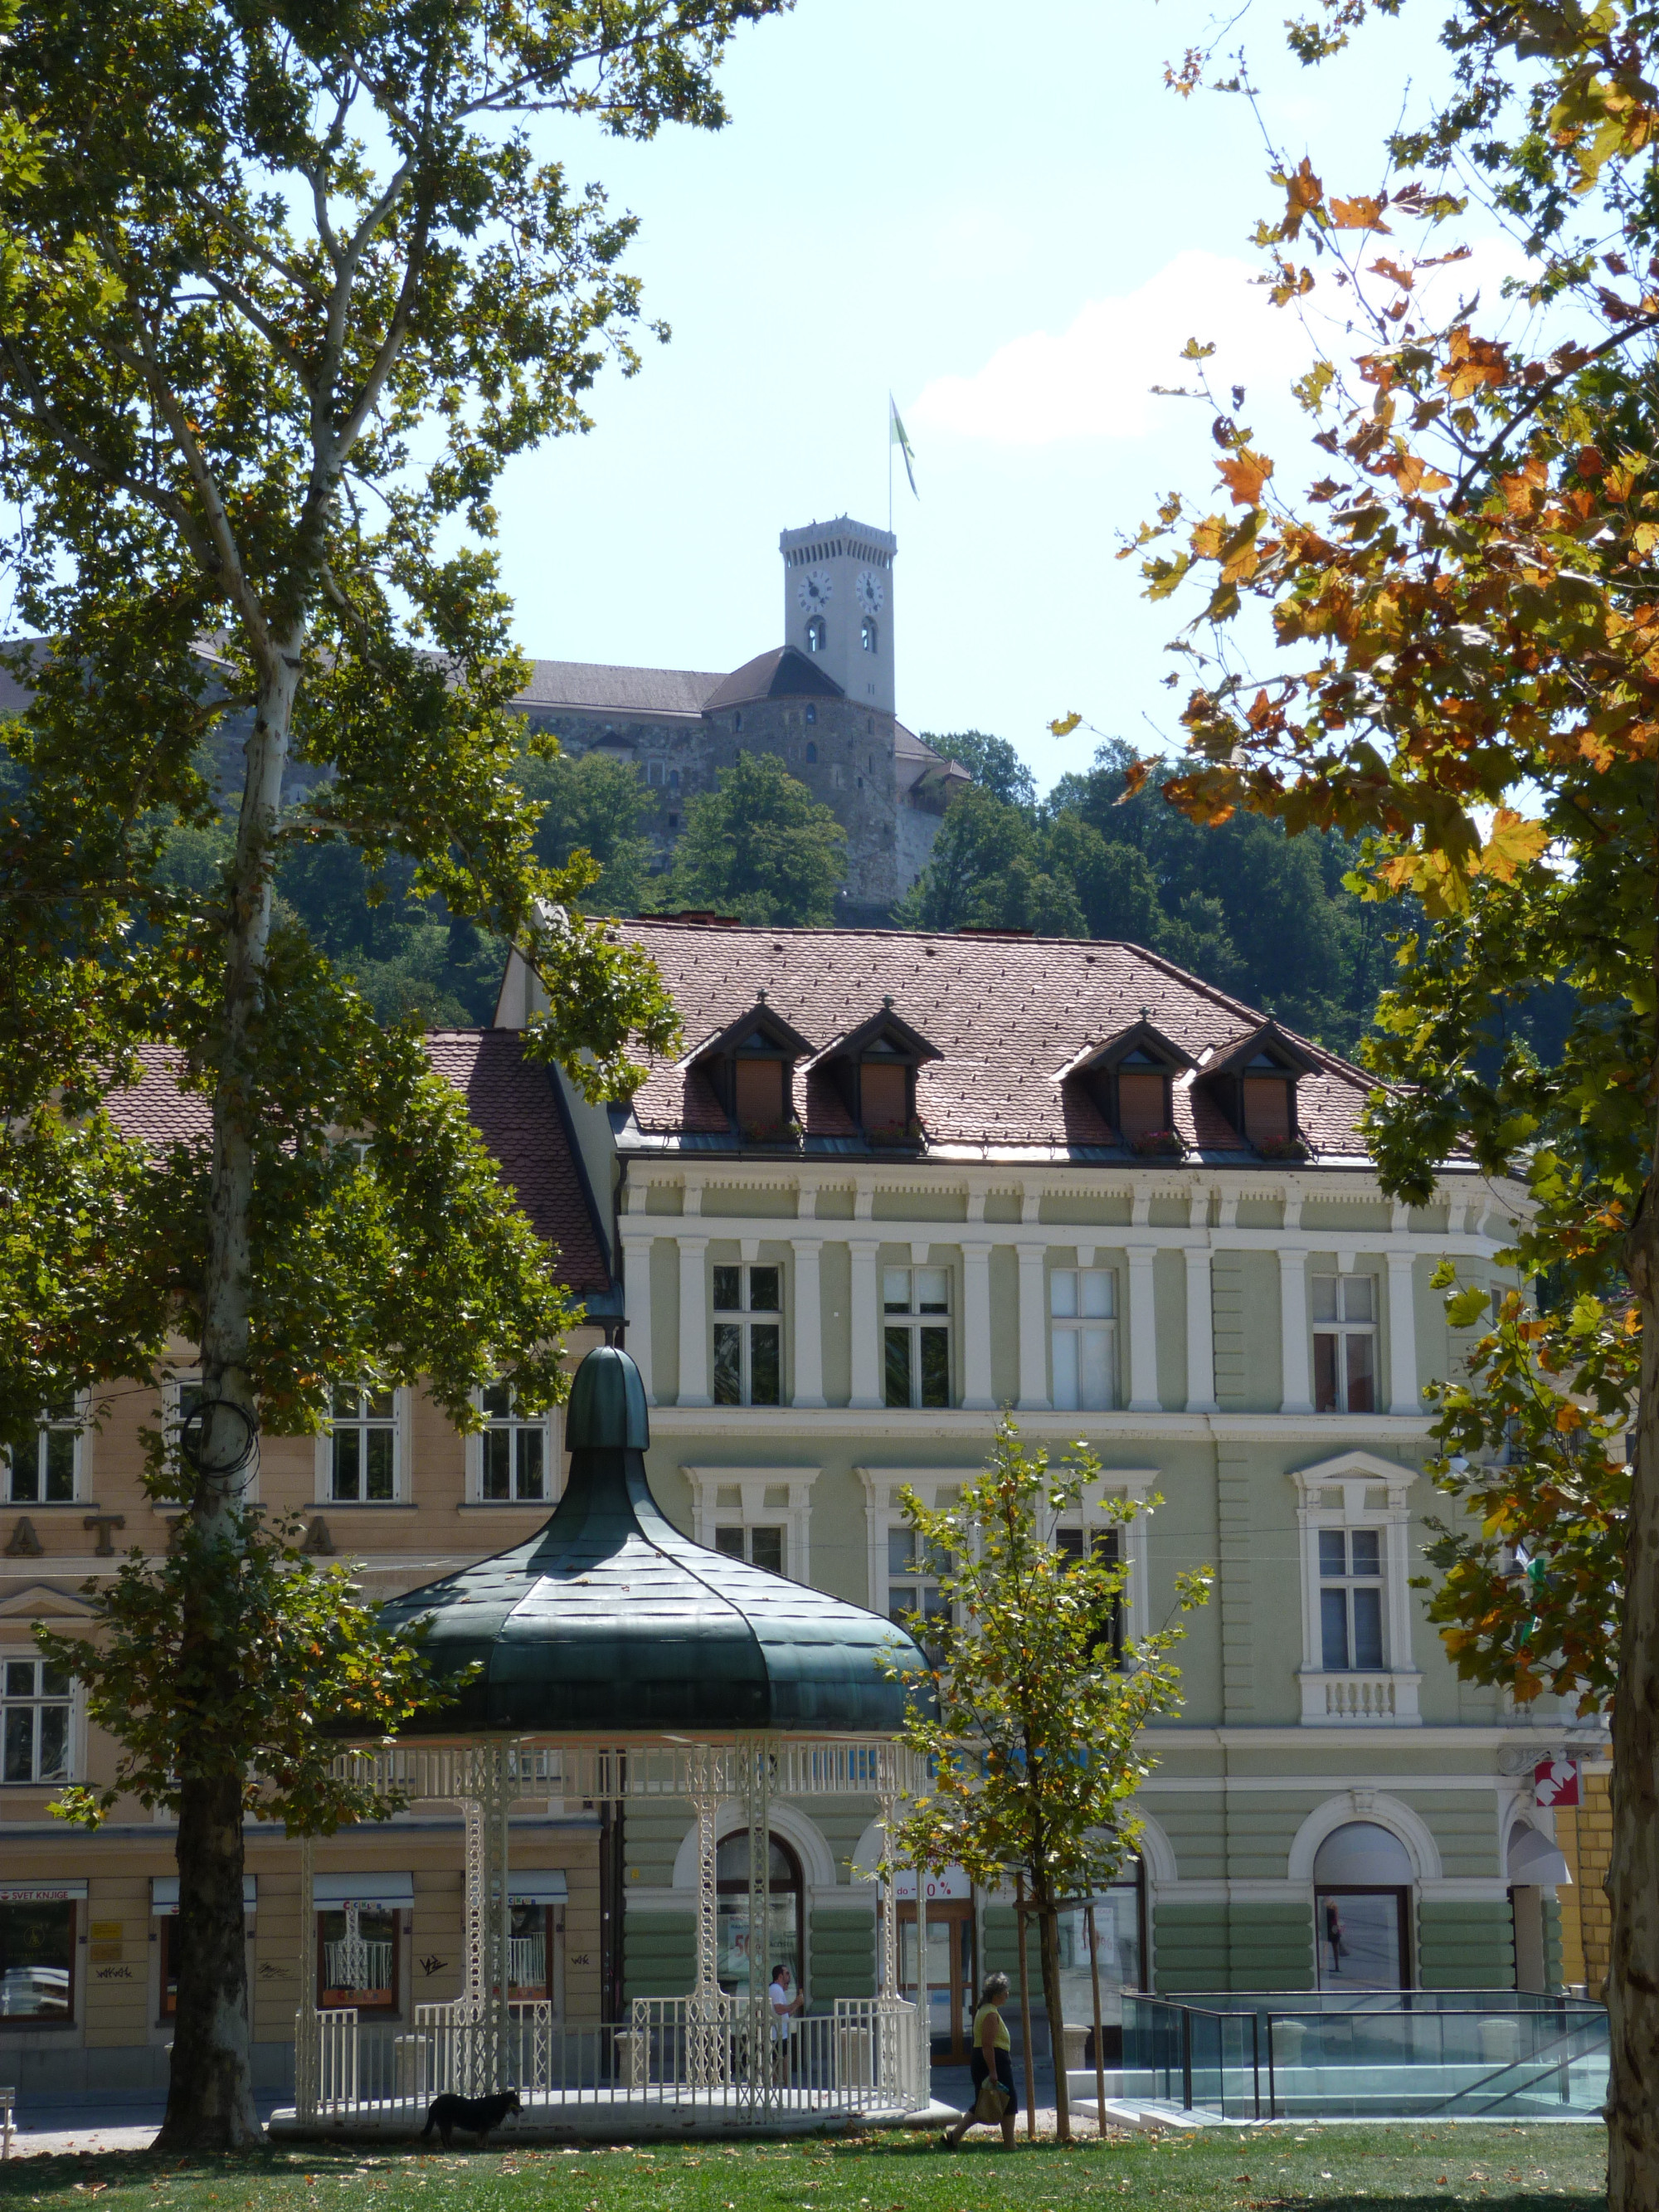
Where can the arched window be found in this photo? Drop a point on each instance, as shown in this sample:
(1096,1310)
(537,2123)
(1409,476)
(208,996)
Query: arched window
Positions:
(784,1918)
(868,636)
(816,634)
(812,752)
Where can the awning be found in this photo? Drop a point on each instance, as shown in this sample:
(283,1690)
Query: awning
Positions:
(164,1894)
(40,1893)
(537,1885)
(363,1889)
(1534,1862)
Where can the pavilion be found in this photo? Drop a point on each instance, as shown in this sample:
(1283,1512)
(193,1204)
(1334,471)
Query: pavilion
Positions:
(612,1660)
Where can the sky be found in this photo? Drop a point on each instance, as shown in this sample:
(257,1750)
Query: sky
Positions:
(1002,217)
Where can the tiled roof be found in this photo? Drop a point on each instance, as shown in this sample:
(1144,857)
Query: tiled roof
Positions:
(785,672)
(1007,1013)
(515,1109)
(595,686)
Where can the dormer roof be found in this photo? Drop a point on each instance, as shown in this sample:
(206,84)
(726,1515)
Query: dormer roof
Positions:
(1143,1037)
(784,673)
(883,1032)
(759,1025)
(1265,1046)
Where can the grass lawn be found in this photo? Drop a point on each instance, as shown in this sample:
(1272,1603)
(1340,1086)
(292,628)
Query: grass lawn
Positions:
(1412,2167)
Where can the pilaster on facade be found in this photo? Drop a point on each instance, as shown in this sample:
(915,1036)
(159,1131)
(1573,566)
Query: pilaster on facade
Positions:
(1297,1393)
(864,1252)
(1402,1334)
(636,1305)
(1143,1328)
(809,1322)
(1033,1330)
(1235,1586)
(977,1395)
(694,1321)
(1201,1332)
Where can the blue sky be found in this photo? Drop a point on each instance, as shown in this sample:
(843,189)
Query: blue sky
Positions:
(1001,214)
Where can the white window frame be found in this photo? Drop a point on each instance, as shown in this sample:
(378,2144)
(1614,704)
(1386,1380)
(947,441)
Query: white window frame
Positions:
(935,1486)
(552,1462)
(748,1497)
(1341,1330)
(1357,1490)
(744,1319)
(75,1423)
(916,1321)
(401,1484)
(1074,1325)
(11,1655)
(1096,1513)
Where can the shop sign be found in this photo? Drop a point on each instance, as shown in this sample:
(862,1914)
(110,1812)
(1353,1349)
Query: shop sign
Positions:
(1555,1784)
(943,1888)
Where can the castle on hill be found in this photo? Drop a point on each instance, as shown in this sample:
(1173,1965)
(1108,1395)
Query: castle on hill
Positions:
(822,701)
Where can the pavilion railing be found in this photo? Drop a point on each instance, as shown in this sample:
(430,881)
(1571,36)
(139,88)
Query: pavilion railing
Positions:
(867,2055)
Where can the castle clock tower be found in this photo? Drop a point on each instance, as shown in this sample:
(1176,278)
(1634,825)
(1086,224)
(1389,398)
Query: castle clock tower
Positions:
(838,605)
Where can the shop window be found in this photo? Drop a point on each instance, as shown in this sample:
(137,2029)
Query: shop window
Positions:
(363,1453)
(1120,1951)
(1345,1344)
(37,1962)
(1363,1878)
(916,1335)
(45,1468)
(531,1941)
(358,1957)
(1350,1600)
(1083,1337)
(513,1458)
(748,1336)
(782,1934)
(34,1721)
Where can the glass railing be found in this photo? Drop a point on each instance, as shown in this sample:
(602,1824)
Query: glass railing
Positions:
(1381,2054)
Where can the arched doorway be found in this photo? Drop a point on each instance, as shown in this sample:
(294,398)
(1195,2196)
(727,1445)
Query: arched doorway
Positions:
(784,1918)
(1363,1878)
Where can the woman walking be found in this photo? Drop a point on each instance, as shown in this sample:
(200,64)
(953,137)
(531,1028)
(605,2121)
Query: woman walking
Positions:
(993,2061)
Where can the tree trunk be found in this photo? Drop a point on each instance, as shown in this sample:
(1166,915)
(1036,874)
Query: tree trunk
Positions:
(1048,1931)
(210,2097)
(210,2092)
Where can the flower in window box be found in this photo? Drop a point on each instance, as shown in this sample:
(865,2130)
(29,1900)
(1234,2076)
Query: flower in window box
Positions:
(1157,1144)
(772,1132)
(1283,1148)
(896,1132)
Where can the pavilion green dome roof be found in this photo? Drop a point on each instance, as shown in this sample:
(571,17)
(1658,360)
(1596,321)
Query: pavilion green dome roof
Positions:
(609,1621)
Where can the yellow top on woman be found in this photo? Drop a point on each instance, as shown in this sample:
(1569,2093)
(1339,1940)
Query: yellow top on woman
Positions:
(990,2012)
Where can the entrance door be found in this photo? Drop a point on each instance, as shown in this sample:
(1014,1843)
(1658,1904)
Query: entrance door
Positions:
(950,1982)
(1361,1935)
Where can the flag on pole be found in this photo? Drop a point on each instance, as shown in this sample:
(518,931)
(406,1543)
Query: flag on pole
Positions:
(895,437)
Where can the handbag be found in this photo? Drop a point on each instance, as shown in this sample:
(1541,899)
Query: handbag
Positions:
(992,2102)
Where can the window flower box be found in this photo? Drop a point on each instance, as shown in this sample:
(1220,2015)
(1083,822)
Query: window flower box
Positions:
(1285,1148)
(1157,1144)
(901,1136)
(772,1132)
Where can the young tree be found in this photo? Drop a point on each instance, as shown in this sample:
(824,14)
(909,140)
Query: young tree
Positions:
(282,292)
(1467,674)
(992,763)
(760,846)
(1033,1726)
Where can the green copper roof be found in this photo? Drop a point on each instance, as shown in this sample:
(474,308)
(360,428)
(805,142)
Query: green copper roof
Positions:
(611,1620)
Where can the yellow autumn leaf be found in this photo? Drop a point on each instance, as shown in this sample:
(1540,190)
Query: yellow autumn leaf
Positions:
(1362,212)
(1511,843)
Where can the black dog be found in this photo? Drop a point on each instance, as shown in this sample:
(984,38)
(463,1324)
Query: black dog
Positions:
(477,2115)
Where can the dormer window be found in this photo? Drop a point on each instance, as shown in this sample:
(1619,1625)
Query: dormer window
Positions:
(1254,1081)
(875,1069)
(750,1067)
(1131,1078)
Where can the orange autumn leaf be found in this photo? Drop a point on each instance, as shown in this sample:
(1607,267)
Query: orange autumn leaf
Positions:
(1362,212)
(1245,475)
(1474,362)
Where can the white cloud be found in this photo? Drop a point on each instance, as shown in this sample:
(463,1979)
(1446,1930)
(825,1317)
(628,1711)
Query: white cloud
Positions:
(1094,380)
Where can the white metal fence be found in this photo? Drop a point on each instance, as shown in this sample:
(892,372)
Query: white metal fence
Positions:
(867,2055)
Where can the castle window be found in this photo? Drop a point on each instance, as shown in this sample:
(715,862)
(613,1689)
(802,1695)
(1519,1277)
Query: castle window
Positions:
(811,714)
(868,637)
(817,636)
(673,778)
(737,722)
(811,752)
(673,821)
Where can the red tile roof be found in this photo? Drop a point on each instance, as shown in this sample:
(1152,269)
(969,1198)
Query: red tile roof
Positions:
(515,1107)
(1008,1014)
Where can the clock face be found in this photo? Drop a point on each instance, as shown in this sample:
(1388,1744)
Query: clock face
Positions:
(869,591)
(814,589)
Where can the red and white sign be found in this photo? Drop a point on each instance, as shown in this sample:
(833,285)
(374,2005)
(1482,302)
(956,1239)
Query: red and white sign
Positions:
(1555,1783)
(939,1888)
